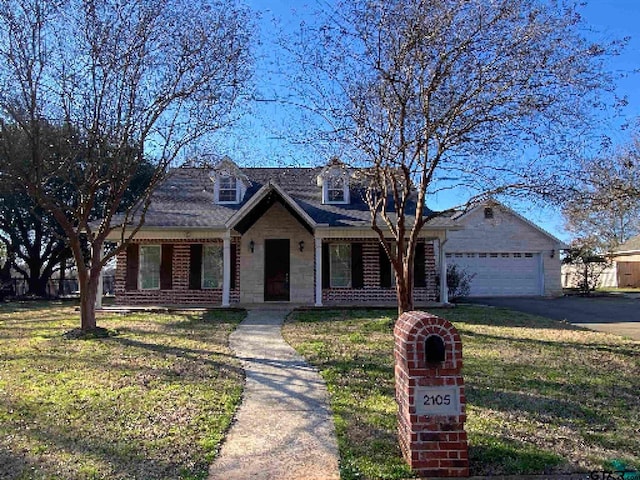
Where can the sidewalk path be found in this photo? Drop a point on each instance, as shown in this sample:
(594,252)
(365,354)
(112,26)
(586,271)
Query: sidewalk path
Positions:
(283,429)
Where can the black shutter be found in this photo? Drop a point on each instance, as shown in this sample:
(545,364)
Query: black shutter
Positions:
(419,279)
(325,265)
(166,267)
(385,269)
(357,266)
(195,267)
(133,264)
(233,255)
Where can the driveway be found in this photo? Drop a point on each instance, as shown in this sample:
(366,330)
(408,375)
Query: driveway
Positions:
(613,314)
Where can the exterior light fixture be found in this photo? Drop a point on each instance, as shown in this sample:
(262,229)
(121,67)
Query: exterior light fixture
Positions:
(553,253)
(252,246)
(301,245)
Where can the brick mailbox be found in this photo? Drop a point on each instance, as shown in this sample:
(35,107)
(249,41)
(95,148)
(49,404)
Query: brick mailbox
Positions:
(430,395)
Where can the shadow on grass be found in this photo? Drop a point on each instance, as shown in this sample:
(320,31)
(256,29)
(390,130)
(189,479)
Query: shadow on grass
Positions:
(493,455)
(125,458)
(528,343)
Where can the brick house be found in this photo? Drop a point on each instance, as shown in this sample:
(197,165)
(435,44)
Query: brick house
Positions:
(232,235)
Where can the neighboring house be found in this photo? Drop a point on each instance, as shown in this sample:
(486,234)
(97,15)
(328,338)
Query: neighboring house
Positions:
(627,262)
(507,254)
(233,235)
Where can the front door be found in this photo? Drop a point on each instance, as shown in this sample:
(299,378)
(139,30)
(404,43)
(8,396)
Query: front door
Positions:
(276,270)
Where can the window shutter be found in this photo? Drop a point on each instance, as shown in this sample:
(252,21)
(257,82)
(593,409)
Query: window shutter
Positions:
(166,267)
(195,267)
(357,266)
(325,265)
(233,256)
(133,264)
(419,279)
(385,269)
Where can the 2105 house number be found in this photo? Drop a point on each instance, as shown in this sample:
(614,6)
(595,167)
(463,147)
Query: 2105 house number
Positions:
(437,400)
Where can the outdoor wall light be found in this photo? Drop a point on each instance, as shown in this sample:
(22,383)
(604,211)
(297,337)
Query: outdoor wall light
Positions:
(301,245)
(252,246)
(553,253)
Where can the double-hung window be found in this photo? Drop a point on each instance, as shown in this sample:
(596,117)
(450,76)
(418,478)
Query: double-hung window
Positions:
(228,189)
(212,266)
(335,190)
(150,257)
(340,264)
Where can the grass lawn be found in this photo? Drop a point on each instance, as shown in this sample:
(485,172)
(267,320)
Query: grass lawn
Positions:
(151,402)
(543,396)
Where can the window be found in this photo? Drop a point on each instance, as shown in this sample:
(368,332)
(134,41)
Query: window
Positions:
(335,190)
(340,264)
(488,212)
(228,189)
(150,256)
(212,266)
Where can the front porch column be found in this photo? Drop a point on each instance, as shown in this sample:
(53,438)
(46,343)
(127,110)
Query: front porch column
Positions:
(318,245)
(226,269)
(444,288)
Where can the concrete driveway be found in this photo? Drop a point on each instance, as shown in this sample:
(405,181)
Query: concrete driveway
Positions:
(614,314)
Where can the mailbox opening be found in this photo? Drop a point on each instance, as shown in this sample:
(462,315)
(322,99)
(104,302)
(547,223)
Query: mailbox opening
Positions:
(434,349)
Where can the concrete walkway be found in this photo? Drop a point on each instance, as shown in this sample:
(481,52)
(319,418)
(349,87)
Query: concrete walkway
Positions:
(283,429)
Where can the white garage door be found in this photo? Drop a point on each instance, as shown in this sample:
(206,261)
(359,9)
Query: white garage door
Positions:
(501,274)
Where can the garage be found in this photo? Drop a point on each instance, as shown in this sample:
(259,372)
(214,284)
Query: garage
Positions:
(501,274)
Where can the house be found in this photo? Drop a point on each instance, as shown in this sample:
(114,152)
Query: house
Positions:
(626,260)
(506,254)
(232,235)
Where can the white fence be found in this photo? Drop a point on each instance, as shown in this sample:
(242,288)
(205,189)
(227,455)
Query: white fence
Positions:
(571,277)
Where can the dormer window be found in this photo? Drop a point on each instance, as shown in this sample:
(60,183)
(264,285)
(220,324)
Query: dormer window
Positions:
(228,189)
(336,190)
(229,183)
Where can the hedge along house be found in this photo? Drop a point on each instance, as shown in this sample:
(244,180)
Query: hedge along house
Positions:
(232,235)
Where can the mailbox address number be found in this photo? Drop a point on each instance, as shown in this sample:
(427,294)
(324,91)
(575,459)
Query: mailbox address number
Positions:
(437,400)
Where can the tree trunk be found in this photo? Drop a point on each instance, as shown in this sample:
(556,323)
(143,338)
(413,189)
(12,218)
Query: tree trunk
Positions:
(88,292)
(37,285)
(405,297)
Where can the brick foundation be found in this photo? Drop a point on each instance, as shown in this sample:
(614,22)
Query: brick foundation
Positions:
(430,419)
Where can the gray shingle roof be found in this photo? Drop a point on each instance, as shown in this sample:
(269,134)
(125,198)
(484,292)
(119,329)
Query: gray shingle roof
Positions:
(186,199)
(630,245)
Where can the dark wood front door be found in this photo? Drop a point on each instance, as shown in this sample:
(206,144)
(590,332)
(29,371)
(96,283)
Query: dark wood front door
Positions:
(276,270)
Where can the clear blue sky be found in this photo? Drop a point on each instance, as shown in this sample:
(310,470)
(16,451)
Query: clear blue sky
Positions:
(261,138)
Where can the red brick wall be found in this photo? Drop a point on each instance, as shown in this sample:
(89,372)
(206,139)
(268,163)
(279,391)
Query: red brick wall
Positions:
(372,292)
(180,294)
(435,444)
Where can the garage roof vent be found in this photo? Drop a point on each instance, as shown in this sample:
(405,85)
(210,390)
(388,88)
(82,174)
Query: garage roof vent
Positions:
(488,212)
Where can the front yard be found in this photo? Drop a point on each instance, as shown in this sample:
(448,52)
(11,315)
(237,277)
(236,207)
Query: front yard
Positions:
(543,396)
(151,402)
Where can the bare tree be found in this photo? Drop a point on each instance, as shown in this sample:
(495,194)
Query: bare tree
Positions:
(126,82)
(433,94)
(602,209)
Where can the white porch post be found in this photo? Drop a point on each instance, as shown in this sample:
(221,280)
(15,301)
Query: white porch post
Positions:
(98,303)
(226,269)
(318,245)
(444,288)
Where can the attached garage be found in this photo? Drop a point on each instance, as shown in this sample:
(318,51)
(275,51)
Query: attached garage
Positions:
(501,274)
(506,254)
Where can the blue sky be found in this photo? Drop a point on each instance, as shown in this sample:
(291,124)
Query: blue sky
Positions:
(261,138)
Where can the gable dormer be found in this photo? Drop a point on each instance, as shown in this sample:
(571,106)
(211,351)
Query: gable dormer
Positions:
(229,183)
(334,180)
